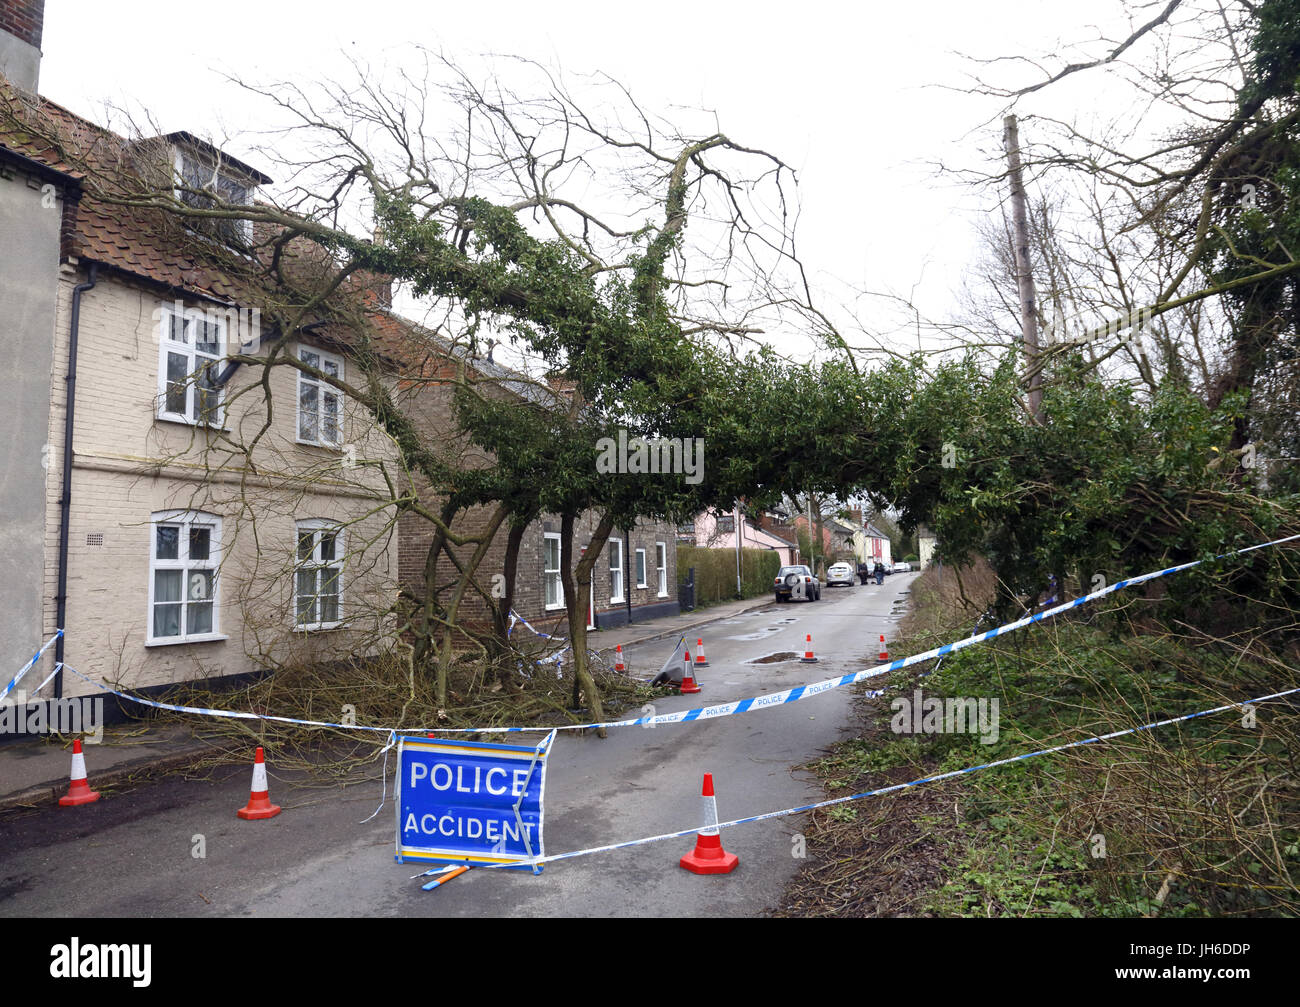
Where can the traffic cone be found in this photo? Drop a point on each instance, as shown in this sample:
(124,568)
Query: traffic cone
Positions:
(689,686)
(709,857)
(259,798)
(884,653)
(808,656)
(700,660)
(618,659)
(79,791)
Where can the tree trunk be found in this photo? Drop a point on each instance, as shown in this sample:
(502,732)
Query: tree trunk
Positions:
(500,641)
(1024,272)
(467,574)
(577,591)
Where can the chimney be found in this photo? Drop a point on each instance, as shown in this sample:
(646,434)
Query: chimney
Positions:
(21,25)
(378,284)
(856,512)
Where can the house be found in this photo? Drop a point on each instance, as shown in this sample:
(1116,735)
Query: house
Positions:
(926,543)
(717,530)
(873,545)
(635,580)
(178,519)
(173,521)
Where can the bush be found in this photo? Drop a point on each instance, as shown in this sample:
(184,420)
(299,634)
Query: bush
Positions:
(715,572)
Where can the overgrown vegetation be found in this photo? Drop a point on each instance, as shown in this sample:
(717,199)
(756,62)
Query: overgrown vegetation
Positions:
(1199,818)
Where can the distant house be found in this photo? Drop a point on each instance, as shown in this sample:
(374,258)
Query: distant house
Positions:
(873,545)
(714,530)
(925,546)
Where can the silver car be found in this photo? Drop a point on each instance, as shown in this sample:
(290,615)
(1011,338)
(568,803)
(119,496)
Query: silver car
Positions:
(839,573)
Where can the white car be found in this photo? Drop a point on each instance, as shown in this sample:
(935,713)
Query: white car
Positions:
(902,568)
(839,573)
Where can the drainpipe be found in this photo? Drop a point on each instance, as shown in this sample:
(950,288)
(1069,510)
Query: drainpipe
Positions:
(627,579)
(65,501)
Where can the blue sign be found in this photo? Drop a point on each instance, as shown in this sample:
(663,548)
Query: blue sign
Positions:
(461,802)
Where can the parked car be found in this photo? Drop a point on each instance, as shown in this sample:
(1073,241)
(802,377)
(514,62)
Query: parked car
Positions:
(902,567)
(789,577)
(839,573)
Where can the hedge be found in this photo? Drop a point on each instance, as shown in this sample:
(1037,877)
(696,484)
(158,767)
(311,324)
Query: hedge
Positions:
(715,572)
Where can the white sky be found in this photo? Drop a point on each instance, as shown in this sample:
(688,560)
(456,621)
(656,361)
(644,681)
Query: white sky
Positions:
(842,92)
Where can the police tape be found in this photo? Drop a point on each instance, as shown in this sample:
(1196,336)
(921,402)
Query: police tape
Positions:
(733,708)
(786,812)
(29,665)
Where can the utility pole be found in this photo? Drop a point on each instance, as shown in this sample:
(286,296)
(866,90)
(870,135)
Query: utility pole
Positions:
(1024,274)
(736,520)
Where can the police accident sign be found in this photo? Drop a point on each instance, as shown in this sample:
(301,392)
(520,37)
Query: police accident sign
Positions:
(465,802)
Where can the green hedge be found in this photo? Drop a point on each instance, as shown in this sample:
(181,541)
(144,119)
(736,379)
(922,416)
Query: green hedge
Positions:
(715,572)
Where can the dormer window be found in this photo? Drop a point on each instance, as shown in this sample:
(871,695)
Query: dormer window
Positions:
(206,176)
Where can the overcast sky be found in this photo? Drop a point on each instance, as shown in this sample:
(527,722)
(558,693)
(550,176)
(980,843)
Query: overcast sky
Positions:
(844,93)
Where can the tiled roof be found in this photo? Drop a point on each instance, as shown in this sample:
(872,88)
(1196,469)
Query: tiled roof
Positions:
(146,243)
(153,244)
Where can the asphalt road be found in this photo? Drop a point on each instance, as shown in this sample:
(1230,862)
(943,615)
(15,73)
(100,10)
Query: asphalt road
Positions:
(132,853)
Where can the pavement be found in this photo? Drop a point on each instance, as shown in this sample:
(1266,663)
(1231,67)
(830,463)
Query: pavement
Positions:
(34,769)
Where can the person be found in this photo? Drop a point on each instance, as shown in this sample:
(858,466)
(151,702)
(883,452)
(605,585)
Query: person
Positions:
(863,573)
(879,572)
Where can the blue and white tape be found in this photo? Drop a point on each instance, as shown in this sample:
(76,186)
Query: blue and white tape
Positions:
(784,812)
(31,663)
(702,713)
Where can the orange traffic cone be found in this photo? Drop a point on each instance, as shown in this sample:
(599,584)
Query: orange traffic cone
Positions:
(884,652)
(709,857)
(689,686)
(618,659)
(808,656)
(700,660)
(259,798)
(79,791)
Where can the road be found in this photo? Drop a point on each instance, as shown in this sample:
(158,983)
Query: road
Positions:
(131,854)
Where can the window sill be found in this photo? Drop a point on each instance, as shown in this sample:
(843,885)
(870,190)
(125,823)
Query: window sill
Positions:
(180,640)
(180,421)
(554,608)
(324,627)
(662,594)
(320,444)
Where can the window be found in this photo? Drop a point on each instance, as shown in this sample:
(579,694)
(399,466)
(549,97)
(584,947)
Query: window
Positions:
(640,568)
(318,575)
(615,570)
(726,523)
(320,404)
(661,567)
(183,557)
(191,345)
(551,570)
(194,172)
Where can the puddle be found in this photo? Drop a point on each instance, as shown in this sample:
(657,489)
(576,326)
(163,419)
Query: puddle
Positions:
(785,655)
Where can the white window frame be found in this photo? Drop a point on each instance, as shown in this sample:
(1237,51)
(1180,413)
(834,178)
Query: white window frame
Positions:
(322,391)
(319,564)
(640,568)
(553,572)
(661,568)
(181,340)
(185,521)
(616,572)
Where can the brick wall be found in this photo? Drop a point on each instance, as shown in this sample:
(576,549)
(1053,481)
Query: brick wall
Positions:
(24,19)
(433,410)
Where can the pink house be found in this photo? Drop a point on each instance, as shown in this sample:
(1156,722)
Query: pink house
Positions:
(718,531)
